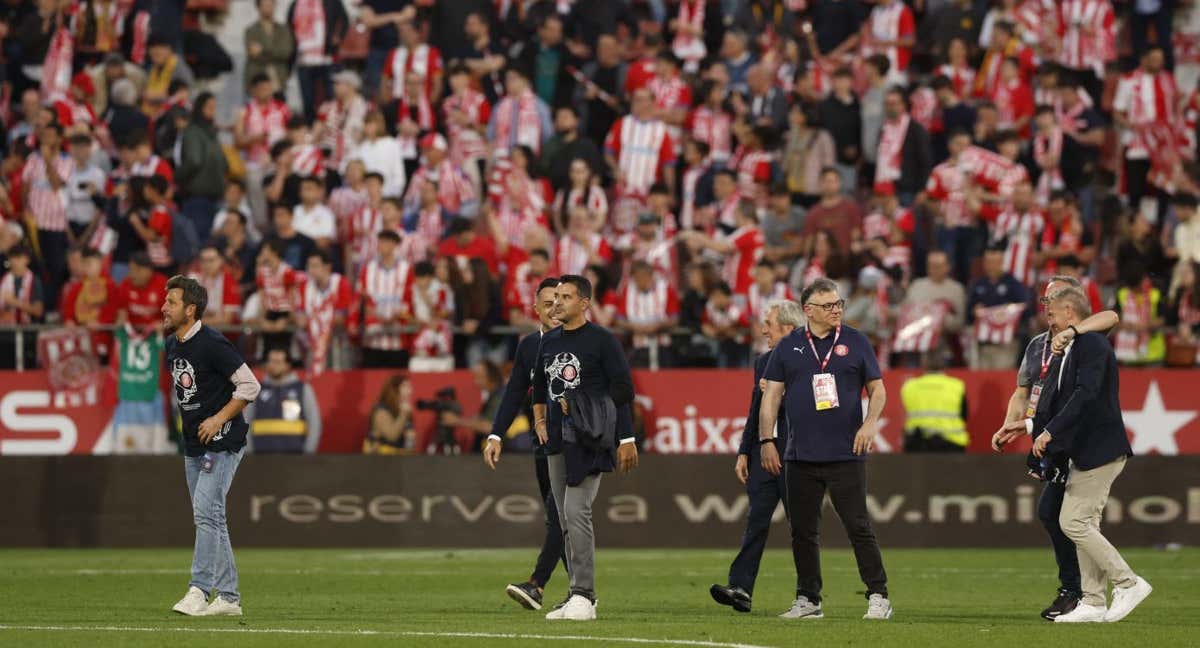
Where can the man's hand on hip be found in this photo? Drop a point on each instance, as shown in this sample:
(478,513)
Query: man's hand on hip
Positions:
(209,428)
(491,453)
(770,458)
(627,457)
(742,468)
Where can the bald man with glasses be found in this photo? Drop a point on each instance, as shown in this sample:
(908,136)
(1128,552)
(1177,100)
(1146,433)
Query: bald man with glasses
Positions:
(823,369)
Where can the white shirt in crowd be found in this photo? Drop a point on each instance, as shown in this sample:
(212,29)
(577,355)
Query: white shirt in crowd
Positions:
(315,223)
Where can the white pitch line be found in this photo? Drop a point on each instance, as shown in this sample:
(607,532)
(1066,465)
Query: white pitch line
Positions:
(385,633)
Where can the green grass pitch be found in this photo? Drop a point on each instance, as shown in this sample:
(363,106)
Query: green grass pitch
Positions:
(350,597)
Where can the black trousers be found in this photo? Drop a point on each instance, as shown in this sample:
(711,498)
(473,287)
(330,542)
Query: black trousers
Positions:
(846,483)
(53,246)
(765,493)
(552,545)
(1136,184)
(1049,506)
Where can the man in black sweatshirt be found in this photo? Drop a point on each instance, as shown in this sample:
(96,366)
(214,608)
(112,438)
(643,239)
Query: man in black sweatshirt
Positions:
(212,385)
(765,490)
(529,593)
(585,358)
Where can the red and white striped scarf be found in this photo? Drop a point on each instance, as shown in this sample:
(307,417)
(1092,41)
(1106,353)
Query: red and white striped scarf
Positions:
(308,23)
(276,293)
(23,293)
(687,47)
(925,109)
(430,227)
(387,287)
(417,61)
(1079,50)
(141,37)
(434,340)
(891,152)
(962,78)
(270,120)
(572,256)
(1047,147)
(592,197)
(1021,232)
(319,306)
(519,113)
(308,161)
(335,117)
(345,201)
(365,225)
(421,113)
(56,69)
(454,188)
(998,324)
(465,143)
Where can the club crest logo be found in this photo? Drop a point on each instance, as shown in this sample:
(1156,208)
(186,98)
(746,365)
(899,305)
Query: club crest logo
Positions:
(185,379)
(841,350)
(563,373)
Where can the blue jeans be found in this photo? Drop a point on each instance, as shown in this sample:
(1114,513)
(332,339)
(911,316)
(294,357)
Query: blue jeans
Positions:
(376,59)
(212,561)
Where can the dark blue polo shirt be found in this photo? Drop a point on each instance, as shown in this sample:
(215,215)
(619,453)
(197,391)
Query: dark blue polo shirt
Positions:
(826,435)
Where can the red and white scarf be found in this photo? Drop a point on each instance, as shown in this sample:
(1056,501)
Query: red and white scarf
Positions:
(8,314)
(1048,147)
(421,112)
(141,37)
(309,25)
(713,127)
(647,307)
(687,47)
(308,161)
(1079,50)
(891,152)
(520,113)
(919,327)
(419,61)
(320,306)
(466,143)
(270,120)
(998,324)
(56,70)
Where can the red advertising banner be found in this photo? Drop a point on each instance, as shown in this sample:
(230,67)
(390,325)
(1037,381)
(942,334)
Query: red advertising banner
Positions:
(700,411)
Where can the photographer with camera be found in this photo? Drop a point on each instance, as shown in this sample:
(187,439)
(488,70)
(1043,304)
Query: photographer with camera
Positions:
(490,382)
(447,409)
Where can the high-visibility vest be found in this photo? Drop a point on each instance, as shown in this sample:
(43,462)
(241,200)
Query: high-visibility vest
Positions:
(933,403)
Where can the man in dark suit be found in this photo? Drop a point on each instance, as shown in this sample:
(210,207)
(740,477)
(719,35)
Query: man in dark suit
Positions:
(764,490)
(916,155)
(1078,414)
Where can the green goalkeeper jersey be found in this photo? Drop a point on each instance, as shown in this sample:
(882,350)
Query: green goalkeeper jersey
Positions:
(140,361)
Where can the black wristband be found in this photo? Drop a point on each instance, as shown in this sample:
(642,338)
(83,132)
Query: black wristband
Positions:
(762,440)
(1072,327)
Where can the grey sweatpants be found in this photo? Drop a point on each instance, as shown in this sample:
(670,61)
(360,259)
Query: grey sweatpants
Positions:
(575,515)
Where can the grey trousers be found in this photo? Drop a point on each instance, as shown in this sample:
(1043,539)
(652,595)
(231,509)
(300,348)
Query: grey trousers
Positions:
(575,515)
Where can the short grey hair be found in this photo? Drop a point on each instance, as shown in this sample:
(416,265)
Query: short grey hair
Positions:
(1067,279)
(787,312)
(822,285)
(124,92)
(1074,298)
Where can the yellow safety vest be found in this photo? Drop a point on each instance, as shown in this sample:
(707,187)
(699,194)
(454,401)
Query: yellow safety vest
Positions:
(933,403)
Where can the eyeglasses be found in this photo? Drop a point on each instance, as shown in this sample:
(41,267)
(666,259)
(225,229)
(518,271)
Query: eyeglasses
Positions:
(839,305)
(1045,301)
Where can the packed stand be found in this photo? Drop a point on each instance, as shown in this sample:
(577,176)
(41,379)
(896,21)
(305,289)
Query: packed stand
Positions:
(435,160)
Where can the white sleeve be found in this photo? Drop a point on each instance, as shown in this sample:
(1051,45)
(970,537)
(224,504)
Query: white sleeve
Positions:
(245,385)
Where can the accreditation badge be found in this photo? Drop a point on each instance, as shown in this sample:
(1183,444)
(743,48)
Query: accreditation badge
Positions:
(825,393)
(1034,395)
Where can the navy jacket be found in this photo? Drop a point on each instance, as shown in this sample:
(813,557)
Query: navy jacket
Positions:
(749,444)
(1083,415)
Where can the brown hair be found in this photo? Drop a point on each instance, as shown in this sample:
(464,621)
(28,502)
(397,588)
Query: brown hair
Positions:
(389,397)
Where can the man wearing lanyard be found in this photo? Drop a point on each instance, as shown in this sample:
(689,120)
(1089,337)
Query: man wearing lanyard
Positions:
(823,369)
(1035,366)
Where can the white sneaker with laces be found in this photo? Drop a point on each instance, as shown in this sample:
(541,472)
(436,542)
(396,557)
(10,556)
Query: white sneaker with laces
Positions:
(578,608)
(878,608)
(222,607)
(1124,599)
(194,603)
(1083,613)
(803,608)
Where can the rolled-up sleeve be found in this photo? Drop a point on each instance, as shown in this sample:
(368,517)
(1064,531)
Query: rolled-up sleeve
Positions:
(245,385)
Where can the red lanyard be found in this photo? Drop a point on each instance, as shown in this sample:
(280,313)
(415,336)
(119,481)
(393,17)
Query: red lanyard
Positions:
(829,354)
(1046,357)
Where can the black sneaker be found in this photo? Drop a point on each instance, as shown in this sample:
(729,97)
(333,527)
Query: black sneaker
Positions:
(526,594)
(1061,605)
(734,597)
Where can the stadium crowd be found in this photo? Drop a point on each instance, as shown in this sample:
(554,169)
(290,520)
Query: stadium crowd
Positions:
(436,159)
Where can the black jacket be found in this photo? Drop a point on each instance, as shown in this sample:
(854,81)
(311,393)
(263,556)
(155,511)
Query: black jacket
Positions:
(591,421)
(1083,415)
(336,24)
(749,445)
(916,160)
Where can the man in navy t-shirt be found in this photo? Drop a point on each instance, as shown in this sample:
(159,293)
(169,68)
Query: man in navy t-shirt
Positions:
(823,368)
(212,386)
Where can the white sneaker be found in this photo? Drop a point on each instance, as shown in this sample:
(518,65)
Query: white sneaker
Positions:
(578,608)
(1124,599)
(194,603)
(1083,613)
(221,607)
(878,607)
(802,608)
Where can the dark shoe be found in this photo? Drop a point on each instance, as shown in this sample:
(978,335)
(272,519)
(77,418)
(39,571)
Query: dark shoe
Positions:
(526,594)
(1061,605)
(734,597)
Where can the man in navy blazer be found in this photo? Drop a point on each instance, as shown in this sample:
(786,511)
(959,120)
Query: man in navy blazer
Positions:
(1078,414)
